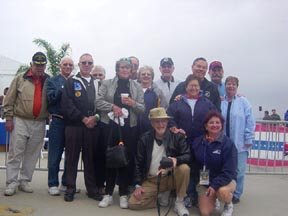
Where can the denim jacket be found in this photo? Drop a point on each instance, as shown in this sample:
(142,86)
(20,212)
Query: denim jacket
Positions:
(242,123)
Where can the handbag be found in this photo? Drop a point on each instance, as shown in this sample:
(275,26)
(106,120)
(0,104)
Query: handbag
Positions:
(116,156)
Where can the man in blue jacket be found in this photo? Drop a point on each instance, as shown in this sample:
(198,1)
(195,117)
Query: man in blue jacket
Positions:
(208,89)
(56,133)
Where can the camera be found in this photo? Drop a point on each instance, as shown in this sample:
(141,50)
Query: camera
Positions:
(165,163)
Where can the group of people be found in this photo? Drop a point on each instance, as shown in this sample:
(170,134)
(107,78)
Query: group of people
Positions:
(203,129)
(274,116)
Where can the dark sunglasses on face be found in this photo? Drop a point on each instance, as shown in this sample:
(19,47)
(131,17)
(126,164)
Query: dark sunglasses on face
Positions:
(67,64)
(86,63)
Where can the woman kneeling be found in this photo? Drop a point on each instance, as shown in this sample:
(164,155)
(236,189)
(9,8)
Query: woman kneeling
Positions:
(214,158)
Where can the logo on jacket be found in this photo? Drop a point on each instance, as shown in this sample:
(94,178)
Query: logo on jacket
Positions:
(207,94)
(77,93)
(77,86)
(217,151)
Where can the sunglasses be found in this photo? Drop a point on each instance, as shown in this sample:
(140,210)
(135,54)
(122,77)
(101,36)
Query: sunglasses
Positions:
(87,63)
(99,75)
(67,64)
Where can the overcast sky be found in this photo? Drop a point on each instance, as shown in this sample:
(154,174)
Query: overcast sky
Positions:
(248,36)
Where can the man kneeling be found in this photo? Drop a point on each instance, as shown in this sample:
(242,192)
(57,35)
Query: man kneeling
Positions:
(152,147)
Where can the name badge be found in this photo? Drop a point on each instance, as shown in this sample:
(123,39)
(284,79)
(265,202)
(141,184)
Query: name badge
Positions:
(204,176)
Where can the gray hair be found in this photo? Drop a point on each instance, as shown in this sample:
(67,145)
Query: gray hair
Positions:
(149,68)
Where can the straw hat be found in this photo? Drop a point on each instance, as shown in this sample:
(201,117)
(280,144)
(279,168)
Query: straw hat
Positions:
(158,113)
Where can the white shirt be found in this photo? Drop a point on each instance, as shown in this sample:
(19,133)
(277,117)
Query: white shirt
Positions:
(157,154)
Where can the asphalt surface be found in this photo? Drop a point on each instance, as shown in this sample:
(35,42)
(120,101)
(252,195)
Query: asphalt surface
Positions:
(264,195)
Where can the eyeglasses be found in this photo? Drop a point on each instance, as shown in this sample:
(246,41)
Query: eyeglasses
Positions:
(87,63)
(67,64)
(99,75)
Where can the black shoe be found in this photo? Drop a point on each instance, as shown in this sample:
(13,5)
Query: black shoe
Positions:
(235,200)
(69,197)
(96,196)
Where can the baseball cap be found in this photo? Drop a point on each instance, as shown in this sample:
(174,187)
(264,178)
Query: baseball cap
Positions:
(166,60)
(215,64)
(39,58)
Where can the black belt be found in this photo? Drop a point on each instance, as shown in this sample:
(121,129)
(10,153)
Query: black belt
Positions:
(57,116)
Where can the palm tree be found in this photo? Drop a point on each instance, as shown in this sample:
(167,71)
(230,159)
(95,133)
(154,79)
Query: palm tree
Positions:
(53,56)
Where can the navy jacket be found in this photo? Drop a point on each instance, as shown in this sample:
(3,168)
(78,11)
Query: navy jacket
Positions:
(78,99)
(208,89)
(182,116)
(221,160)
(54,89)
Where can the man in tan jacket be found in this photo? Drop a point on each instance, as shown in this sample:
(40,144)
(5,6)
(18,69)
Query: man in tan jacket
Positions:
(25,111)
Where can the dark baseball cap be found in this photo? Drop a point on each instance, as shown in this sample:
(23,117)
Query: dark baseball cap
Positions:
(166,60)
(215,64)
(39,58)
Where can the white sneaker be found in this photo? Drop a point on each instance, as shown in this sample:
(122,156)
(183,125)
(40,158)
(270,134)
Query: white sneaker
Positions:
(106,201)
(164,198)
(54,191)
(228,209)
(123,202)
(180,208)
(217,205)
(11,189)
(25,187)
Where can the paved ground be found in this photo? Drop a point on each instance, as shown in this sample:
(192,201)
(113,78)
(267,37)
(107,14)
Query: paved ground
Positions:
(264,195)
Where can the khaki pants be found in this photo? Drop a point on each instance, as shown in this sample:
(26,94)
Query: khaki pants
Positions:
(224,193)
(179,182)
(26,141)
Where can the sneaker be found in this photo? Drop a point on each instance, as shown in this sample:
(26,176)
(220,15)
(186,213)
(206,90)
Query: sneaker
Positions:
(69,197)
(228,209)
(180,208)
(63,189)
(106,201)
(164,198)
(235,200)
(25,187)
(217,205)
(11,189)
(54,191)
(124,202)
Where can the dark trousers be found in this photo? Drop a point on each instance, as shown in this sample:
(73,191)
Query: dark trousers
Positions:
(81,138)
(100,156)
(56,136)
(126,174)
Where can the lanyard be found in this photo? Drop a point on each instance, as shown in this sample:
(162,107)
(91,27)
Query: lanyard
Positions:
(204,163)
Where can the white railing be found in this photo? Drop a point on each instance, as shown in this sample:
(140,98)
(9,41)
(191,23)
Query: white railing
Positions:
(267,156)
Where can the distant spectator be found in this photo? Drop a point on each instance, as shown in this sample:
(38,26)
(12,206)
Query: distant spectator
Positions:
(286,116)
(98,72)
(3,96)
(266,115)
(275,116)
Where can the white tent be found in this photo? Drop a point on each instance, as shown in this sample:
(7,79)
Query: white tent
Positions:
(8,68)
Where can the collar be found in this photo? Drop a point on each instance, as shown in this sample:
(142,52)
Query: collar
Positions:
(165,81)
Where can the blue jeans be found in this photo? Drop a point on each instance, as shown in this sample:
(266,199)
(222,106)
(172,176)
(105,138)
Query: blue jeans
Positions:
(56,146)
(241,169)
